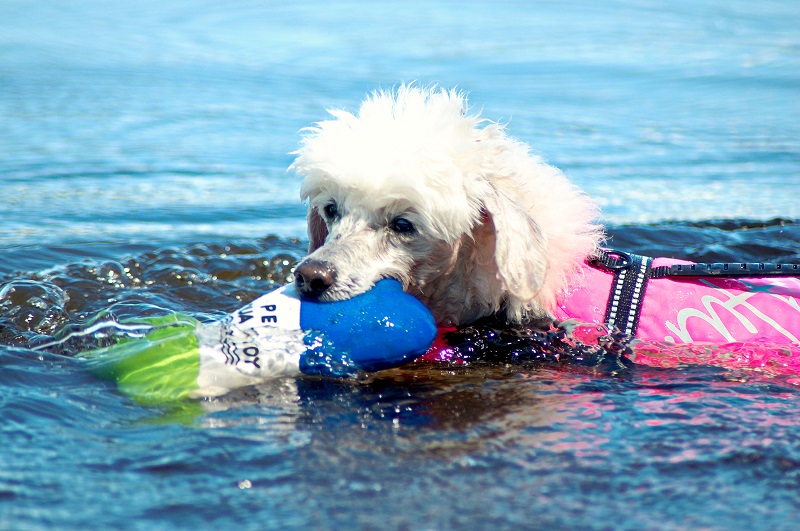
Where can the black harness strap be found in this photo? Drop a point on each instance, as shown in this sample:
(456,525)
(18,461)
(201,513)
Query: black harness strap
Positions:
(631,273)
(726,270)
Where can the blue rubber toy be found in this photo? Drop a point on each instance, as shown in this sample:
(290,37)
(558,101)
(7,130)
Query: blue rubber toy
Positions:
(381,329)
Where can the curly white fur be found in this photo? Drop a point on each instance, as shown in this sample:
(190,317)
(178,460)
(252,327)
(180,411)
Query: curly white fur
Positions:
(494,228)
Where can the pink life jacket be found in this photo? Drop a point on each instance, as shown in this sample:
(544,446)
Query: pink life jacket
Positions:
(663,299)
(735,316)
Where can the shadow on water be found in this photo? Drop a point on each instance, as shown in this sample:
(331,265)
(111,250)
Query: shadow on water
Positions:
(207,280)
(777,240)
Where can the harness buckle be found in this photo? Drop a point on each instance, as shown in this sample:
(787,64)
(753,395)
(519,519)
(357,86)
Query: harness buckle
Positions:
(611,260)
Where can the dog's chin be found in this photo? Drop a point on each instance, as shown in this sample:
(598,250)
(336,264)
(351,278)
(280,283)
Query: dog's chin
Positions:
(344,291)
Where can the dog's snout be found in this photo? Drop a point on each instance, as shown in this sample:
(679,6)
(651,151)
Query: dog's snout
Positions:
(313,278)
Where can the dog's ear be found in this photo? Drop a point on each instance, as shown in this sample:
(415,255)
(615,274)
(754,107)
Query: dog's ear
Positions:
(317,230)
(520,246)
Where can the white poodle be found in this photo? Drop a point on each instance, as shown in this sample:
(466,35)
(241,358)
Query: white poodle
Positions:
(415,188)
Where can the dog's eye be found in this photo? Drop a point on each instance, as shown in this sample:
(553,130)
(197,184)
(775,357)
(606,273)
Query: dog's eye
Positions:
(330,210)
(402,226)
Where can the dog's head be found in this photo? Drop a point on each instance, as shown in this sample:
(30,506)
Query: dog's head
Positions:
(414,188)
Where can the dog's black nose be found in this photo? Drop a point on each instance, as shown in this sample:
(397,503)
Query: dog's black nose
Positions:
(313,278)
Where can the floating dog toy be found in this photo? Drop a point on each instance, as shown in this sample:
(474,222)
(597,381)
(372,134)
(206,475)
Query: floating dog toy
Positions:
(278,334)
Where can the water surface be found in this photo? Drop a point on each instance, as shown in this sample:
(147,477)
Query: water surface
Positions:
(143,155)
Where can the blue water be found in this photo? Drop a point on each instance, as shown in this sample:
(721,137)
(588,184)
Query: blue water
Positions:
(143,155)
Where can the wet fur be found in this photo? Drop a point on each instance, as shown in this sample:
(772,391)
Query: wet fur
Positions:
(496,228)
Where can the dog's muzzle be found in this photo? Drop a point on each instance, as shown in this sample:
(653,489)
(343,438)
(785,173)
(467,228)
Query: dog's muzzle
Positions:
(313,278)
